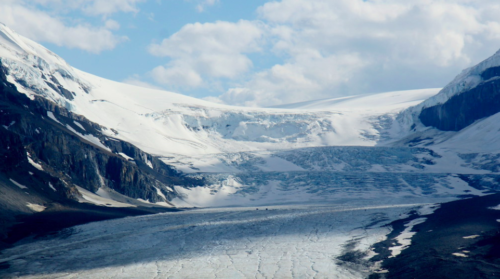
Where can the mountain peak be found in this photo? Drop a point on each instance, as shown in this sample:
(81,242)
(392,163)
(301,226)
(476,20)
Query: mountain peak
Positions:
(14,46)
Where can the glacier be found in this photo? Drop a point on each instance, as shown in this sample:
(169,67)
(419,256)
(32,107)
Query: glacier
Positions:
(288,191)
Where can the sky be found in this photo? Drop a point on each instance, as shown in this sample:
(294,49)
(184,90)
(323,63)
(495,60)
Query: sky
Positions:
(264,53)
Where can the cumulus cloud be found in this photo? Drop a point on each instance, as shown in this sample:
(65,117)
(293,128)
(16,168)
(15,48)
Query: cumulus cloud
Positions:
(341,47)
(307,76)
(209,50)
(31,19)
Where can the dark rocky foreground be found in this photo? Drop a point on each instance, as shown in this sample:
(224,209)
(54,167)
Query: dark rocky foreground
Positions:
(431,254)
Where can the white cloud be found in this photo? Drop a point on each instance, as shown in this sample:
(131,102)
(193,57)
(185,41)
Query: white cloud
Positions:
(42,27)
(31,19)
(179,74)
(112,25)
(334,48)
(209,50)
(307,76)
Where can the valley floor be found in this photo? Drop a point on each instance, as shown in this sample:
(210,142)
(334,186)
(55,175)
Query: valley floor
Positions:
(299,241)
(348,239)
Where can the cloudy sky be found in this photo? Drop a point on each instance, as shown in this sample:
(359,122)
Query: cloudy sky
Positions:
(261,53)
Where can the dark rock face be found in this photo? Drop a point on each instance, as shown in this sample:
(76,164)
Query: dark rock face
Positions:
(464,109)
(490,73)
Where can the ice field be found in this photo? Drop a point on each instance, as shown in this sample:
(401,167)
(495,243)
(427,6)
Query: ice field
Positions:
(301,241)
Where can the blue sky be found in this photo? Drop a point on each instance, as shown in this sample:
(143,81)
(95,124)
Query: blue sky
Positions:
(155,20)
(260,53)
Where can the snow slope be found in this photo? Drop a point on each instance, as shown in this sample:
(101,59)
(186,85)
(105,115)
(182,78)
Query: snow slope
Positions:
(164,123)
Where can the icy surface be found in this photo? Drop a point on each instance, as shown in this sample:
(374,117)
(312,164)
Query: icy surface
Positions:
(280,242)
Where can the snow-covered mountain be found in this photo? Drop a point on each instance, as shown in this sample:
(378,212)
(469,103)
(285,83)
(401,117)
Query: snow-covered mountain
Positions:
(212,148)
(164,123)
(332,172)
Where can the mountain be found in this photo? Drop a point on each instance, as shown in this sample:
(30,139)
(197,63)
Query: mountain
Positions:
(76,148)
(119,141)
(52,157)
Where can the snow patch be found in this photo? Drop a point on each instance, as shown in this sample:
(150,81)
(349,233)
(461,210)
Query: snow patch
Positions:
(99,200)
(79,125)
(128,158)
(149,163)
(404,239)
(90,138)
(18,184)
(36,207)
(36,165)
(11,123)
(471,236)
(495,207)
(158,191)
(53,117)
(428,209)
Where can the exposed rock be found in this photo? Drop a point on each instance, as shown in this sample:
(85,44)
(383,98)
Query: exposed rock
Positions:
(464,109)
